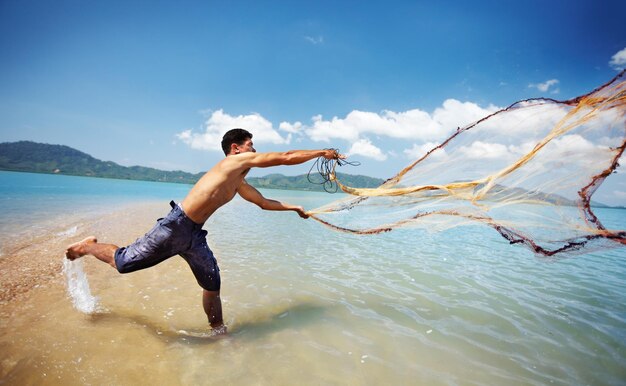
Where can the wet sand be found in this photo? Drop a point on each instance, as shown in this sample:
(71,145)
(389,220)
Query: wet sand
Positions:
(32,258)
(37,319)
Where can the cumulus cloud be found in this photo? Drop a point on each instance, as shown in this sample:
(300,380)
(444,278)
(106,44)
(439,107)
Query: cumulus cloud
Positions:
(412,124)
(545,86)
(365,148)
(571,148)
(219,122)
(482,150)
(618,61)
(356,127)
(575,144)
(418,151)
(576,149)
(293,128)
(524,148)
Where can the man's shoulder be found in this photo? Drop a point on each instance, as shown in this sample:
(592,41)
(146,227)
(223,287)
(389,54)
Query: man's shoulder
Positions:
(240,158)
(244,160)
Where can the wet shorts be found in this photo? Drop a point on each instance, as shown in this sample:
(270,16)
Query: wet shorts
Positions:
(173,235)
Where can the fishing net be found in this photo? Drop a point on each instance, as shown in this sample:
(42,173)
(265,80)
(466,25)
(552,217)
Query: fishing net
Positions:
(529,171)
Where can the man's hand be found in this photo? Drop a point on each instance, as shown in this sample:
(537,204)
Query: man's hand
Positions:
(333,154)
(301,212)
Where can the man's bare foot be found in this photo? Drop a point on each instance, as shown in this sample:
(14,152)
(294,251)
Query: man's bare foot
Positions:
(219,331)
(77,250)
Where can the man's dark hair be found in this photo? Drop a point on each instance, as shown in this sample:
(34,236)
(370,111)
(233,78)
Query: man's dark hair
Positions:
(238,136)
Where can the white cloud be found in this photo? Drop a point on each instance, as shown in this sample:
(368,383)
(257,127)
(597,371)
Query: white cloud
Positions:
(576,149)
(412,124)
(575,144)
(528,122)
(545,86)
(315,40)
(481,150)
(293,128)
(219,123)
(454,114)
(522,149)
(365,148)
(618,61)
(418,151)
(569,148)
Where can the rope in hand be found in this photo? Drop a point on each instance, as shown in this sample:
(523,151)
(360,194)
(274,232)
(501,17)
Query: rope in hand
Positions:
(326,169)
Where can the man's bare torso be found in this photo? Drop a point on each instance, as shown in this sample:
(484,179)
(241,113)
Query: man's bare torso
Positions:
(217,187)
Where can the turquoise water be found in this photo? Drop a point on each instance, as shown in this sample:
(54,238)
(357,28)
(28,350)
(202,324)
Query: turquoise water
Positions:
(30,202)
(306,305)
(44,194)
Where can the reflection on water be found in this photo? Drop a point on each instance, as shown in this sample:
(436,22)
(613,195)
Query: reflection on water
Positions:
(308,306)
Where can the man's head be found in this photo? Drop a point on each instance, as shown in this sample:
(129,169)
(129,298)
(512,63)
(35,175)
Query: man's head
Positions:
(237,141)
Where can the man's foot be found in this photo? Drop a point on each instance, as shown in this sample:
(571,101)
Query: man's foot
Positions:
(219,330)
(78,249)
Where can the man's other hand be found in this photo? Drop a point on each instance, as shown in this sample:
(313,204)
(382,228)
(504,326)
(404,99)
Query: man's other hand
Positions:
(301,212)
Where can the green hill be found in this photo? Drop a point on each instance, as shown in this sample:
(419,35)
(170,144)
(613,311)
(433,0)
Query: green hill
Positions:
(301,182)
(27,156)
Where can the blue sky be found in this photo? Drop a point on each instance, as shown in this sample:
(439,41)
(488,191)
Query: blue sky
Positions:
(154,83)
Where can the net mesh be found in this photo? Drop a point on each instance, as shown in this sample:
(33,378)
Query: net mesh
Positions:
(528,171)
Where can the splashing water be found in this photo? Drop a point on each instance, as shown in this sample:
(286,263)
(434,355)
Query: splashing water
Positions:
(528,171)
(69,232)
(78,286)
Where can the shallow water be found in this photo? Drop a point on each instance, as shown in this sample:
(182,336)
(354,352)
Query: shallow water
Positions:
(305,305)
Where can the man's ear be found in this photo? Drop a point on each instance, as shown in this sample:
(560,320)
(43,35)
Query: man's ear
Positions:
(234,148)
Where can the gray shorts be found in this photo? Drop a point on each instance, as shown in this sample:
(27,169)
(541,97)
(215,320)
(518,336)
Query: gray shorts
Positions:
(172,235)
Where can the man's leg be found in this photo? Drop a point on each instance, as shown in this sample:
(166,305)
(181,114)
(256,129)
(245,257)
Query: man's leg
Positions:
(212,305)
(90,246)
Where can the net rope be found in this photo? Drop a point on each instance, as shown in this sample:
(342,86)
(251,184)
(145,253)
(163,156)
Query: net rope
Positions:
(529,171)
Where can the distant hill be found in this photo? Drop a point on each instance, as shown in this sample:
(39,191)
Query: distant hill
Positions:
(27,156)
(301,182)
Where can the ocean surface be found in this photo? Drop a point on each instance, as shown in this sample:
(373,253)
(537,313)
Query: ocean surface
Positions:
(303,304)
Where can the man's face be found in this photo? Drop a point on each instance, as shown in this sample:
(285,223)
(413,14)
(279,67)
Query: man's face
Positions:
(246,147)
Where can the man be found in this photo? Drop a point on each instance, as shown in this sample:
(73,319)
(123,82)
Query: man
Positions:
(180,232)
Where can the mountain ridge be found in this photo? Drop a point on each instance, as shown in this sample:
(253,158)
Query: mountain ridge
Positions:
(35,157)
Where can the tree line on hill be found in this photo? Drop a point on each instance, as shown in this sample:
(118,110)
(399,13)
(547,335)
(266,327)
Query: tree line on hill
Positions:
(33,157)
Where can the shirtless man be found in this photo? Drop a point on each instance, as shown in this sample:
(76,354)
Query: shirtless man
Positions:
(180,232)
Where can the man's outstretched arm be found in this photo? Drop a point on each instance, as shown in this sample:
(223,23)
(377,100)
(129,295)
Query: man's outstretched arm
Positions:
(292,157)
(249,193)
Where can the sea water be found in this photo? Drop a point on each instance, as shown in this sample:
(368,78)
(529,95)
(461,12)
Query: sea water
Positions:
(304,305)
(30,202)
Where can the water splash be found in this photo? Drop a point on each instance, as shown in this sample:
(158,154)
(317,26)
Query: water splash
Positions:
(69,232)
(78,287)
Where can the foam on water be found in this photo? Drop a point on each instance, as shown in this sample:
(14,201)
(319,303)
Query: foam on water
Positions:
(69,232)
(78,287)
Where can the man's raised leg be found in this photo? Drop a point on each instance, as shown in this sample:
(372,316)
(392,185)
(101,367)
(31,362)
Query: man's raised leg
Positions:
(212,305)
(90,246)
